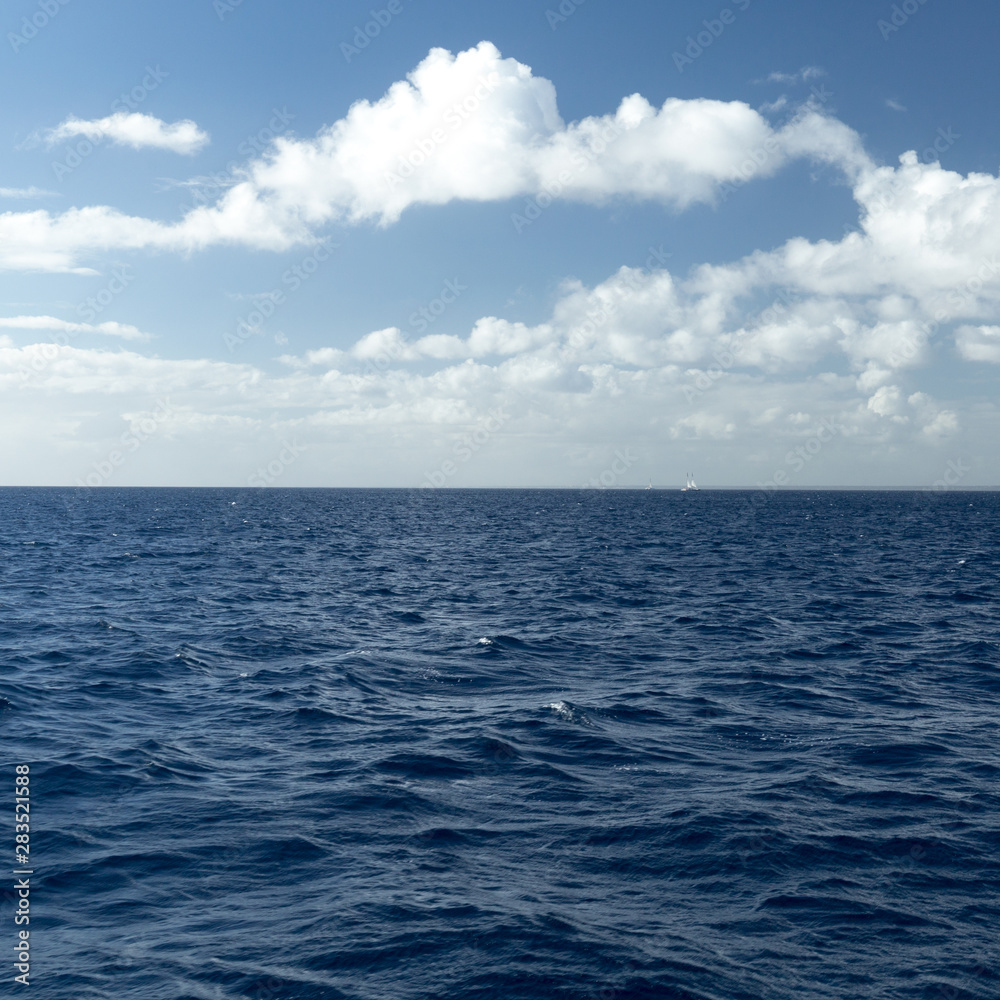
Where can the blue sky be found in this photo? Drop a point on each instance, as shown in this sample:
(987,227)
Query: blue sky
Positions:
(213,269)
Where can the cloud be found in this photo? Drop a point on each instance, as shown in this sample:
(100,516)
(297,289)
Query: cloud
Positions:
(562,416)
(28,192)
(927,255)
(894,105)
(479,127)
(136,130)
(804,75)
(468,127)
(109,328)
(979,343)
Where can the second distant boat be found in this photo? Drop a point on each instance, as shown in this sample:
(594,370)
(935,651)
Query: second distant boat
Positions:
(690,484)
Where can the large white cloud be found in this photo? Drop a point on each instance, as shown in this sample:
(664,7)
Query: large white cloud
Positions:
(473,126)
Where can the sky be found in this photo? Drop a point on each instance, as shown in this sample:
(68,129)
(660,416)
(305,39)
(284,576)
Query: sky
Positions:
(552,243)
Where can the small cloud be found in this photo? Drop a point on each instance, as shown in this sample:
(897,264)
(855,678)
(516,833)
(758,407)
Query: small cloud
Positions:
(894,105)
(804,75)
(770,107)
(110,328)
(135,130)
(979,343)
(28,192)
(251,296)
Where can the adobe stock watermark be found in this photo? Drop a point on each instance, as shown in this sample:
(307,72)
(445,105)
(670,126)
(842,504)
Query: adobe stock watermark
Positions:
(582,161)
(129,100)
(955,472)
(960,297)
(758,157)
(799,457)
(564,12)
(425,315)
(88,310)
(598,317)
(901,14)
(714,28)
(965,293)
(466,448)
(268,475)
(204,189)
(223,8)
(365,34)
(47,9)
(702,381)
(729,357)
(943,141)
(610,477)
(454,118)
(252,324)
(94,305)
(140,431)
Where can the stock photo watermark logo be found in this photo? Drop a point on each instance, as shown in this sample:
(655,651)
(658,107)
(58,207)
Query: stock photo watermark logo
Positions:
(758,157)
(454,118)
(959,298)
(597,317)
(566,10)
(420,321)
(702,381)
(425,315)
(466,448)
(224,7)
(268,475)
(47,9)
(800,456)
(94,305)
(943,141)
(696,44)
(131,441)
(610,477)
(127,101)
(88,310)
(728,358)
(204,189)
(966,292)
(900,15)
(252,324)
(582,161)
(955,472)
(364,35)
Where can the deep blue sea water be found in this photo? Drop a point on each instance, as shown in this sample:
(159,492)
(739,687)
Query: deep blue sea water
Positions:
(504,744)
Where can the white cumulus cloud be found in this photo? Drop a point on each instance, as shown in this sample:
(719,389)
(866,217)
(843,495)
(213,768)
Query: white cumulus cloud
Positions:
(133,129)
(467,127)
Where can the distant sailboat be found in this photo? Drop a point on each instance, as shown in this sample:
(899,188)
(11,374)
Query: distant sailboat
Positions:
(650,486)
(690,484)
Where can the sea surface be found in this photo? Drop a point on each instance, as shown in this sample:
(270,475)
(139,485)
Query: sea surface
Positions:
(598,745)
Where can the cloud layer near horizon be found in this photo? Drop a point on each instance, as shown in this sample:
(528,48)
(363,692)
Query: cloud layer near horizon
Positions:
(756,349)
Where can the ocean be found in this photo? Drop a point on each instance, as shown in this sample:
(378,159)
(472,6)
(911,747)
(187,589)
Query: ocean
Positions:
(414,744)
